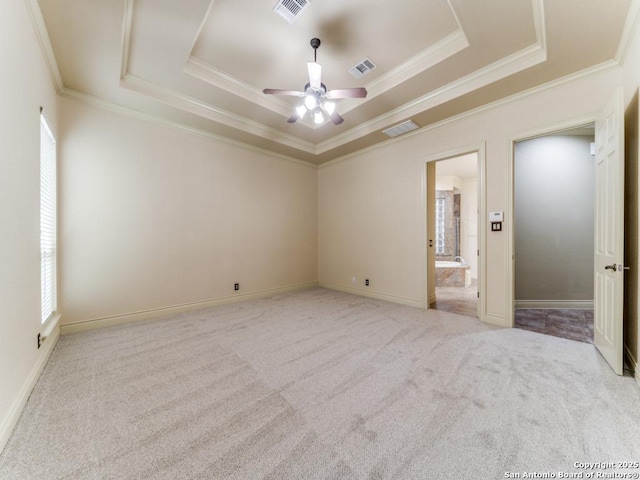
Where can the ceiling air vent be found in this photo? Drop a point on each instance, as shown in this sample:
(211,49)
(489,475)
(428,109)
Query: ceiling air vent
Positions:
(361,69)
(400,129)
(290,9)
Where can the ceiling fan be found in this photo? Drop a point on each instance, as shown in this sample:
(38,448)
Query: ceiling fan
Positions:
(318,102)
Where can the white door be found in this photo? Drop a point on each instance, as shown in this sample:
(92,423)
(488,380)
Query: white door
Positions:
(609,232)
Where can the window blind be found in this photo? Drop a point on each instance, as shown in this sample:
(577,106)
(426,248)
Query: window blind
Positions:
(47,220)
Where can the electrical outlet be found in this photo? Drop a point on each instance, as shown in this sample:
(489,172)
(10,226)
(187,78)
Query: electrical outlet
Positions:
(366,282)
(236,286)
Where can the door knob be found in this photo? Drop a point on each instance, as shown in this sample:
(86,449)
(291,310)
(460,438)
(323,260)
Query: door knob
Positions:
(613,267)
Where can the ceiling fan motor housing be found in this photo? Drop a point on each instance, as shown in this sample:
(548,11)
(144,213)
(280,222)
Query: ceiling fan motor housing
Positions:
(309,90)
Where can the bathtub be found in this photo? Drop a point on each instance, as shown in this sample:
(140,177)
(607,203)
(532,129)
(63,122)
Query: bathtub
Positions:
(446,264)
(452,274)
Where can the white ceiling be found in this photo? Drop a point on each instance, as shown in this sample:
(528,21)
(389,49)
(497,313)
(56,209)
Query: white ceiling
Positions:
(464,167)
(202,64)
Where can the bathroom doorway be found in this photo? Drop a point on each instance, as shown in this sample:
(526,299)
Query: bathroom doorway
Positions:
(453,241)
(554,198)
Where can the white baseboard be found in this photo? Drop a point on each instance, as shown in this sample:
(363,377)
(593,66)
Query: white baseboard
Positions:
(94,323)
(573,304)
(412,302)
(11,418)
(496,320)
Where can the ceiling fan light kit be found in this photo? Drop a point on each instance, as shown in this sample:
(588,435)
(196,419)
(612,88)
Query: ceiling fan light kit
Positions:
(317,101)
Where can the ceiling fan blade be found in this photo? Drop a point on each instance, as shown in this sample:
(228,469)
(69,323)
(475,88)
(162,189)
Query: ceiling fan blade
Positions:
(315,74)
(276,91)
(336,119)
(358,92)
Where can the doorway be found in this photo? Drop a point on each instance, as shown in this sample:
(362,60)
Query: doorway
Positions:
(453,192)
(554,198)
(608,232)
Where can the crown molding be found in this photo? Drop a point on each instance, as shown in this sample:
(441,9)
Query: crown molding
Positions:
(195,106)
(37,19)
(514,63)
(205,72)
(517,62)
(96,102)
(539,23)
(209,74)
(40,28)
(436,53)
(126,37)
(202,70)
(602,67)
(628,31)
(448,46)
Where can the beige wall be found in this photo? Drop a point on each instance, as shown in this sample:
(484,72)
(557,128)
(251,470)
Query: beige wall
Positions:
(153,217)
(370,217)
(372,205)
(25,86)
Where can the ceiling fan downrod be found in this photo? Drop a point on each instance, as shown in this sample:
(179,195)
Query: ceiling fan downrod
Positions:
(315,43)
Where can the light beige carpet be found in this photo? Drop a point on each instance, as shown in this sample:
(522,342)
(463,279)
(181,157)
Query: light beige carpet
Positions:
(321,385)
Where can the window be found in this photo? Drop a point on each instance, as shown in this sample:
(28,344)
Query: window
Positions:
(47,220)
(440,225)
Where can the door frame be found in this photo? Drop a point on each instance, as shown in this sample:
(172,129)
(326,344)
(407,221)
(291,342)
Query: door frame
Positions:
(480,150)
(510,214)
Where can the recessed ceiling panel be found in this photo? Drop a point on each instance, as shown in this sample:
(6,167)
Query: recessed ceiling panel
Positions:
(261,49)
(160,36)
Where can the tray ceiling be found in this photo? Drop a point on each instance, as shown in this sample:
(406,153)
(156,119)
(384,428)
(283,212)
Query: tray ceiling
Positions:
(202,64)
